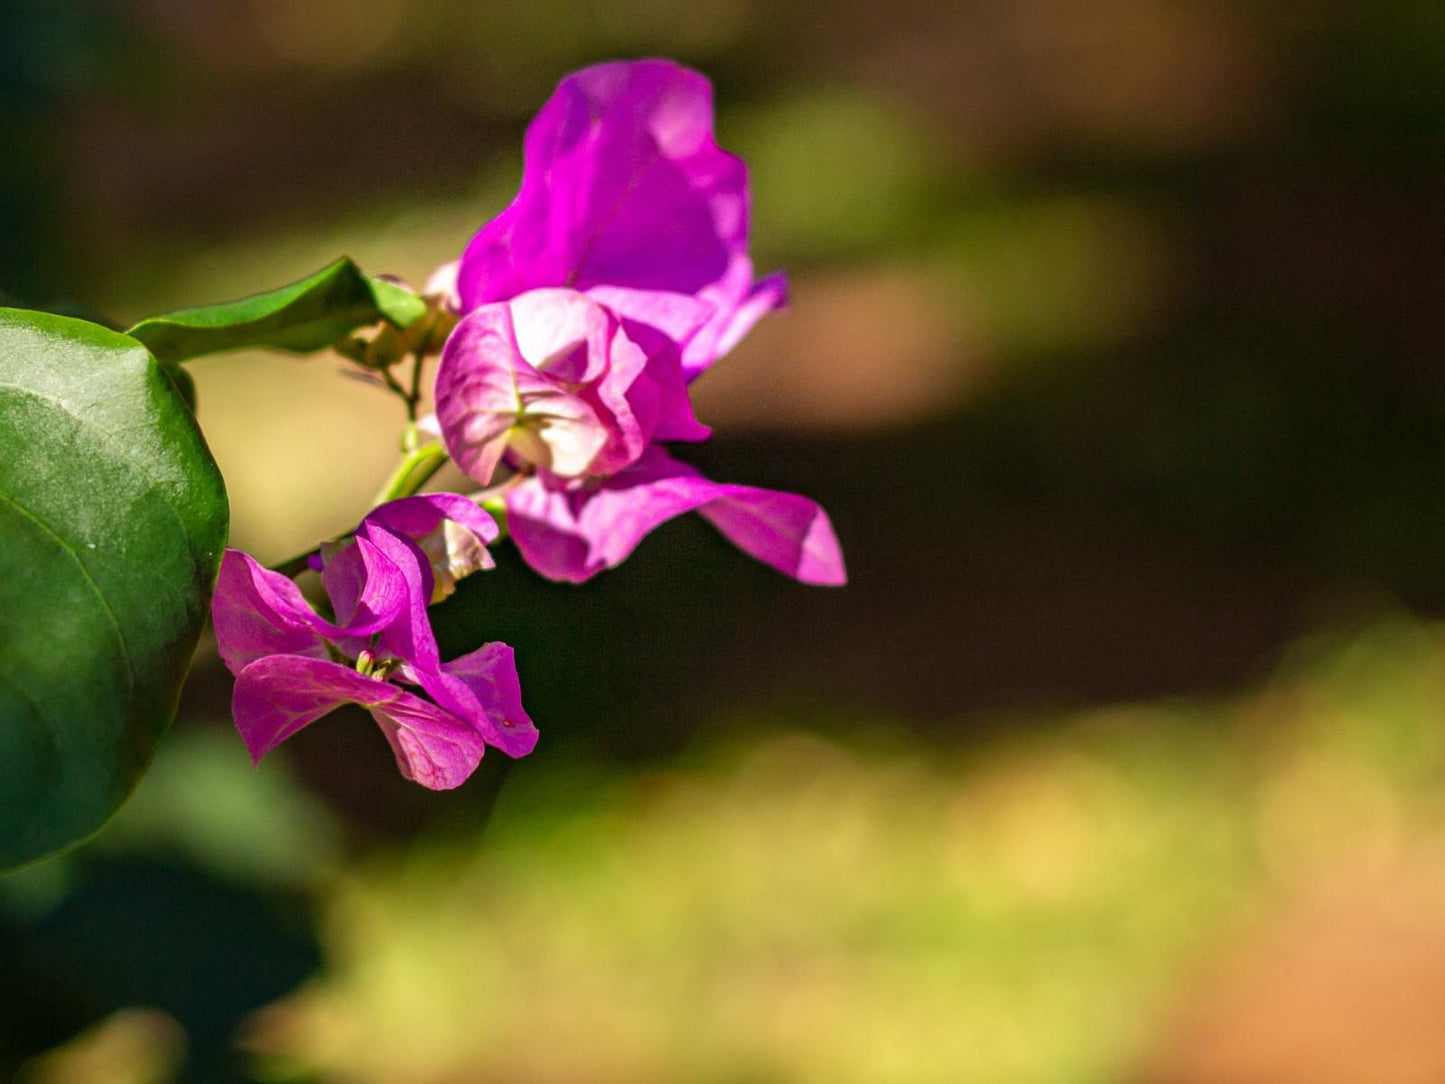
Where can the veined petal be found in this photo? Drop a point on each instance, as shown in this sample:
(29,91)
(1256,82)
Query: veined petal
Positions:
(258,612)
(277,696)
(484,690)
(365,586)
(416,516)
(678,316)
(491,397)
(669,411)
(573,534)
(432,748)
(581,344)
(623,185)
(625,396)
(407,636)
(478,401)
(449,529)
(789,532)
(563,334)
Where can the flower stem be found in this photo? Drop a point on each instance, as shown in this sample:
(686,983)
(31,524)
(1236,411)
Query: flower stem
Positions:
(498,511)
(413,472)
(401,393)
(418,462)
(410,396)
(415,396)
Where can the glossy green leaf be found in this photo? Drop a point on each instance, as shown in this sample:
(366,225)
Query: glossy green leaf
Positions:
(305,316)
(184,383)
(112,523)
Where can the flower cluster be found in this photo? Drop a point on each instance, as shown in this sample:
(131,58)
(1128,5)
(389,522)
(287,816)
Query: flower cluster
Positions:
(582,313)
(293,666)
(618,274)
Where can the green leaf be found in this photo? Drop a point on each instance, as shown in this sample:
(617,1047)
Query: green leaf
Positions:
(184,383)
(306,316)
(112,522)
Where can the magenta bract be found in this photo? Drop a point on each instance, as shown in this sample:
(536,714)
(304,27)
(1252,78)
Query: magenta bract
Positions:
(556,381)
(292,666)
(572,532)
(624,189)
(450,530)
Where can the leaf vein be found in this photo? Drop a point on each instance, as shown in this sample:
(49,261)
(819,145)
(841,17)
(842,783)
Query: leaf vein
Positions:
(69,551)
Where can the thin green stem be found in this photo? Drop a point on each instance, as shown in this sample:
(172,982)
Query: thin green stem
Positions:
(419,462)
(413,472)
(410,397)
(498,511)
(399,391)
(414,398)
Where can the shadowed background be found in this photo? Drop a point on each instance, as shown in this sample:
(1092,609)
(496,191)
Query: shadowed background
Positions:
(1114,355)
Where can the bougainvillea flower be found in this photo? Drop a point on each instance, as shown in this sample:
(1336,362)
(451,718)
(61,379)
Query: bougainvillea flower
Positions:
(618,274)
(626,195)
(570,532)
(293,666)
(553,380)
(554,384)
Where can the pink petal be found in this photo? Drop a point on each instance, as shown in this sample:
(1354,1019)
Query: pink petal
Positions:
(678,316)
(366,587)
(740,304)
(431,747)
(408,635)
(258,612)
(581,344)
(571,534)
(489,396)
(663,380)
(626,195)
(277,696)
(416,516)
(789,532)
(623,185)
(485,683)
(562,333)
(449,529)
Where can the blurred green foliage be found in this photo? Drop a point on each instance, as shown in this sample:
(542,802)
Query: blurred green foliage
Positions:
(796,909)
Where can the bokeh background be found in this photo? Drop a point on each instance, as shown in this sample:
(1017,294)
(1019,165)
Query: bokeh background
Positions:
(1115,354)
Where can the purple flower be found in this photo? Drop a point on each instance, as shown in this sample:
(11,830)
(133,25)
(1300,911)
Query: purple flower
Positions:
(618,274)
(293,666)
(556,381)
(626,196)
(555,384)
